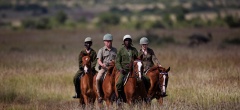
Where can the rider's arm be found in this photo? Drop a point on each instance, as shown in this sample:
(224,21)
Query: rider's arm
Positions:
(100,57)
(155,60)
(94,59)
(118,60)
(80,61)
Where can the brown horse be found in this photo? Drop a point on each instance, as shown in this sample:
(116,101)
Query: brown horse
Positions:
(87,94)
(107,85)
(158,83)
(133,83)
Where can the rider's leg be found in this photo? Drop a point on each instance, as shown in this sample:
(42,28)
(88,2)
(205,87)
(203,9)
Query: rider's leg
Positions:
(119,86)
(76,82)
(98,84)
(146,81)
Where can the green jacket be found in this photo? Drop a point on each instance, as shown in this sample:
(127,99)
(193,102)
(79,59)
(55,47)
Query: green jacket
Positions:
(93,56)
(124,57)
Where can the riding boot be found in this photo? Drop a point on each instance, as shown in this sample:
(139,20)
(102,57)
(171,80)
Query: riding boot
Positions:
(119,98)
(77,88)
(146,83)
(100,99)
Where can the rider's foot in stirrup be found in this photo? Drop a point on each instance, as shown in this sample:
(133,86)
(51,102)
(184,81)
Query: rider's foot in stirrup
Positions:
(76,96)
(100,99)
(119,101)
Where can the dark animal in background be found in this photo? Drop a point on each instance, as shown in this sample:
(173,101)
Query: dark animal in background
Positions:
(197,39)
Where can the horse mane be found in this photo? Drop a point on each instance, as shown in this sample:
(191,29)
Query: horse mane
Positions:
(153,68)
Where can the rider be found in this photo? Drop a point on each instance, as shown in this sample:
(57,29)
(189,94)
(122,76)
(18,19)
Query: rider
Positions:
(122,63)
(148,58)
(105,55)
(93,57)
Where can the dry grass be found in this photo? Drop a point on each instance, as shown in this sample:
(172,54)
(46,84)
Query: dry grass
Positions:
(37,68)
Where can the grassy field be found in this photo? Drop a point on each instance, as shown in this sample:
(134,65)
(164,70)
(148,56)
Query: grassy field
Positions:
(37,67)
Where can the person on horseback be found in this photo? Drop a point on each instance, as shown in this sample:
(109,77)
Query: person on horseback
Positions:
(124,56)
(93,57)
(105,55)
(147,54)
(148,58)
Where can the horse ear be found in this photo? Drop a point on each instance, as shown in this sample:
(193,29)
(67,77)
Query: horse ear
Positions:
(168,69)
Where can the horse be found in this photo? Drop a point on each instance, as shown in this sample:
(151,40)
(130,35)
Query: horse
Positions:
(108,82)
(86,83)
(133,83)
(158,83)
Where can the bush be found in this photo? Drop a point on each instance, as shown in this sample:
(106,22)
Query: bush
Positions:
(158,24)
(61,17)
(234,41)
(109,19)
(232,22)
(43,23)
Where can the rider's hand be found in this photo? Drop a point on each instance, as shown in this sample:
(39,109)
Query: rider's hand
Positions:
(104,66)
(159,65)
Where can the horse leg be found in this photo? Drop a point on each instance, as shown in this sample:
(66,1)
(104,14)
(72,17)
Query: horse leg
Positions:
(81,102)
(150,91)
(160,101)
(129,99)
(129,92)
(86,100)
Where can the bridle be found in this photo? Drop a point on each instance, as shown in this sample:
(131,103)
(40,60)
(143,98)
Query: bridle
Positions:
(136,72)
(87,65)
(162,75)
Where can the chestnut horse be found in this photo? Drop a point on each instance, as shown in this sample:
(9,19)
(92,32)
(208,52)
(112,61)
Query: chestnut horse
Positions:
(87,94)
(158,83)
(108,82)
(134,88)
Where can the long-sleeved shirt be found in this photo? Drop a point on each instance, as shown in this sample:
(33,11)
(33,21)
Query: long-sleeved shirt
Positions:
(148,59)
(93,57)
(124,57)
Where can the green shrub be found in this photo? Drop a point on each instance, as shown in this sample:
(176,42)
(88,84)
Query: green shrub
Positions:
(42,23)
(61,17)
(232,22)
(109,19)
(234,41)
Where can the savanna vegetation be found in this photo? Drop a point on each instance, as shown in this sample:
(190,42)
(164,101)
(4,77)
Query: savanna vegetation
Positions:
(37,67)
(40,41)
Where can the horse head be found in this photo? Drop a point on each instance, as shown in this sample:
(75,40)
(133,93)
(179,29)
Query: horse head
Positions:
(110,65)
(86,63)
(137,68)
(163,79)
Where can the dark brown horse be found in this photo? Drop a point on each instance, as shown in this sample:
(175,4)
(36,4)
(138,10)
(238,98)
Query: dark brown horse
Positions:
(158,83)
(133,89)
(107,85)
(87,94)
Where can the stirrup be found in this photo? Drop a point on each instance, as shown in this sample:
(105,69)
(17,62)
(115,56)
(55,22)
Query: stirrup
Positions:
(76,96)
(119,101)
(100,100)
